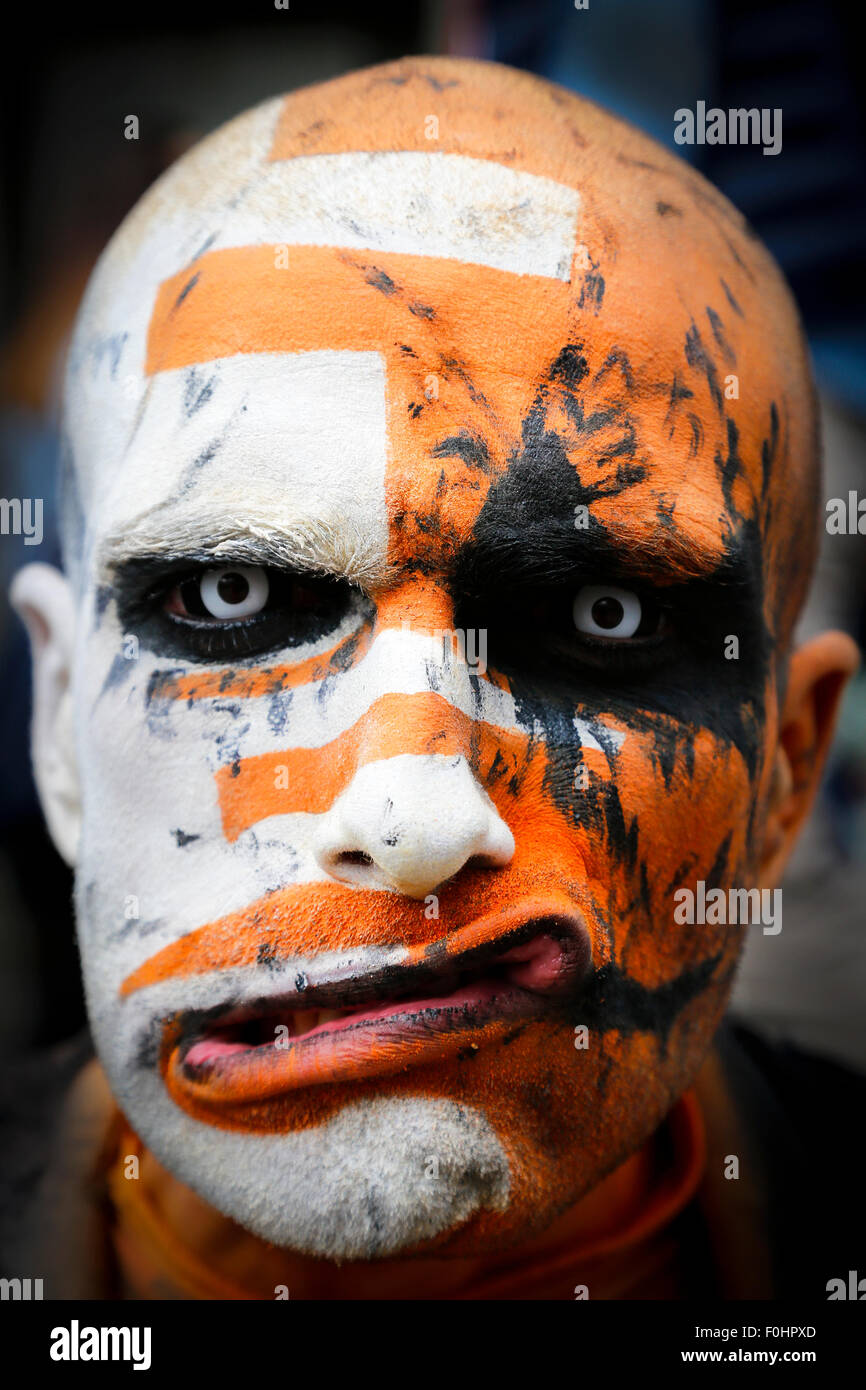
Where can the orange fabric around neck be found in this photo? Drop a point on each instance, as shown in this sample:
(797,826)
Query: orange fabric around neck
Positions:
(617,1240)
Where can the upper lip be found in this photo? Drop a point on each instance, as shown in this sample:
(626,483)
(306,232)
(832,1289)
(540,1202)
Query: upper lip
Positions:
(478,951)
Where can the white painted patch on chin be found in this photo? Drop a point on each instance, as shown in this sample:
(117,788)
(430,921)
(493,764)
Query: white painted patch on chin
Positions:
(354,1188)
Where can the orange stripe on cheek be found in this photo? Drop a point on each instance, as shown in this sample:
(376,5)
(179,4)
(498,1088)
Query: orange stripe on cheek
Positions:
(424,612)
(300,920)
(247,684)
(309,919)
(311,779)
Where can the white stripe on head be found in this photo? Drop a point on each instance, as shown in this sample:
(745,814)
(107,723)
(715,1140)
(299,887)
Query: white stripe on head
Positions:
(414,203)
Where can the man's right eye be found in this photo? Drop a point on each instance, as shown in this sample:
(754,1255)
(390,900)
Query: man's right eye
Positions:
(221,595)
(231,611)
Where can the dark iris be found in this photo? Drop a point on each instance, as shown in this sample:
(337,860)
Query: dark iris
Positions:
(533,632)
(607,612)
(232,588)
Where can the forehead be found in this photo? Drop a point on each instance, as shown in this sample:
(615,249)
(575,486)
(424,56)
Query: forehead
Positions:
(297,333)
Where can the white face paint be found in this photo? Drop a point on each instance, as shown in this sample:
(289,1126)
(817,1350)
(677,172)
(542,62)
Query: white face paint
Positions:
(250,460)
(155,861)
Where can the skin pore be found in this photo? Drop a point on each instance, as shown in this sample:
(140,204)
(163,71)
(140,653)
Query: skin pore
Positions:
(344,897)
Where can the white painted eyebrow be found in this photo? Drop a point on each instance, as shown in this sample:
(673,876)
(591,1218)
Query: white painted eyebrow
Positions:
(173,532)
(275,454)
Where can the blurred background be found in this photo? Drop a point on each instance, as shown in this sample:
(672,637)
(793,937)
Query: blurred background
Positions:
(68,177)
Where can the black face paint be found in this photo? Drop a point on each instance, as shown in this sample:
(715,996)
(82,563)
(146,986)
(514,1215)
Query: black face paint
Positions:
(301,608)
(519,572)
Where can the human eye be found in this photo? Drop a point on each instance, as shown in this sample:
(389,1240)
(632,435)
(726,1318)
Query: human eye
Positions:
(615,614)
(208,612)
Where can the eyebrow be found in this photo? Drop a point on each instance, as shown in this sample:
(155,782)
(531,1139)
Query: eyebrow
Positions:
(547,551)
(500,552)
(167,535)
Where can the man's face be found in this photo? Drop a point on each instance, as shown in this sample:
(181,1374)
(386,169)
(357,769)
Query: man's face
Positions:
(377,923)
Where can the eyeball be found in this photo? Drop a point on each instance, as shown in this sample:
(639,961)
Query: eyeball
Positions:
(602,610)
(238,591)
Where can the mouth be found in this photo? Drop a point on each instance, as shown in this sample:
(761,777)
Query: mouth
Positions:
(444,1001)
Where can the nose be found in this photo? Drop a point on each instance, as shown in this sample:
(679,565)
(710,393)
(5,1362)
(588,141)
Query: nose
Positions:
(410,822)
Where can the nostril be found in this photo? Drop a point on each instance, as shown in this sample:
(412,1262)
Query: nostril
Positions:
(352,856)
(353,866)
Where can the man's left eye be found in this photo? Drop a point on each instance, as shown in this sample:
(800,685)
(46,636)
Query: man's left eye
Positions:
(607,611)
(222,595)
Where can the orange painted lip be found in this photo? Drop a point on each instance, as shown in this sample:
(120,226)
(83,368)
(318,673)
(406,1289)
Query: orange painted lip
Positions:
(396,1017)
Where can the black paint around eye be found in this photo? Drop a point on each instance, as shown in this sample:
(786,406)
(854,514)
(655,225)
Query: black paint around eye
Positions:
(300,609)
(652,616)
(672,682)
(534,630)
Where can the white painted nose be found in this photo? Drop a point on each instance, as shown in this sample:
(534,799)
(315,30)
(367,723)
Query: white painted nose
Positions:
(411,822)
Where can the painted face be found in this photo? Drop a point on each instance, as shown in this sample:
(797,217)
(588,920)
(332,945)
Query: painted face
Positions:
(430,430)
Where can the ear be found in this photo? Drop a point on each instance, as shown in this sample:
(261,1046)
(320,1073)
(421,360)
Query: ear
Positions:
(42,597)
(817,675)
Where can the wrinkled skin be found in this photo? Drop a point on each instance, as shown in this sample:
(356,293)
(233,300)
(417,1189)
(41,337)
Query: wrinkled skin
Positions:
(466,421)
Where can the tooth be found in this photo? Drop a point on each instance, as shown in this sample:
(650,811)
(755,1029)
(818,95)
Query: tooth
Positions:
(305,1019)
(328,1015)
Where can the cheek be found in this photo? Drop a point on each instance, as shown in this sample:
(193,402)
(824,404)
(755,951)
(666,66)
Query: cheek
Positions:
(624,817)
(154,861)
(584,1092)
(681,819)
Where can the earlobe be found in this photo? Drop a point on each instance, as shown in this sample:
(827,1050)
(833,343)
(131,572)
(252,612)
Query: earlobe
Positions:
(817,676)
(42,597)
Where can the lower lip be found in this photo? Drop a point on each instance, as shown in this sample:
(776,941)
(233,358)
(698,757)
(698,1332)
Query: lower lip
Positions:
(361,1046)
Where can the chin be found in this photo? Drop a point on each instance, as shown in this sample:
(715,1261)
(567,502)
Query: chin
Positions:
(382,1177)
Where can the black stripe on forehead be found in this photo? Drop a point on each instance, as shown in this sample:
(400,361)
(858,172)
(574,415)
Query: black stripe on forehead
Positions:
(530,514)
(528,526)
